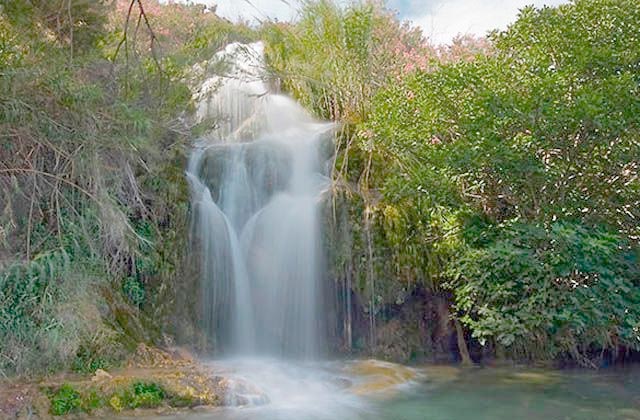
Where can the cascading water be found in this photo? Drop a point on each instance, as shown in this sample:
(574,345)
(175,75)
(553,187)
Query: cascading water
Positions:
(257,181)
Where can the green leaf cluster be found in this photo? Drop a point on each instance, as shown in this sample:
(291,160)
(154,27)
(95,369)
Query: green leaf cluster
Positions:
(563,290)
(67,399)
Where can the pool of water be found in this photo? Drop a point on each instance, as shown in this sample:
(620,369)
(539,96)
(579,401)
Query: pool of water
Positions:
(377,390)
(519,394)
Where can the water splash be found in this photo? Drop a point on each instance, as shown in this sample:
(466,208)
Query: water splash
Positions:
(257,181)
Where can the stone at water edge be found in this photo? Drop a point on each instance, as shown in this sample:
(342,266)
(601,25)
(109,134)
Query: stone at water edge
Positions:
(375,376)
(241,393)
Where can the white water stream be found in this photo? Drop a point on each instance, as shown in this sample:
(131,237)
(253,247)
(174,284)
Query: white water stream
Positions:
(257,179)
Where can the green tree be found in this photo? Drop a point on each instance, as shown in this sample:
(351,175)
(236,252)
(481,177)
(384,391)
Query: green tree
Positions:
(543,134)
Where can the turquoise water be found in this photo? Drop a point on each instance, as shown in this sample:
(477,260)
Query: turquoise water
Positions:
(519,394)
(379,390)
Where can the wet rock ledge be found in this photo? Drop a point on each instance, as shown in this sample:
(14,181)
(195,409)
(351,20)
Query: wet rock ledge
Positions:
(153,381)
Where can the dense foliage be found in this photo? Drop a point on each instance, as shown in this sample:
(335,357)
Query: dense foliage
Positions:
(93,201)
(531,153)
(560,290)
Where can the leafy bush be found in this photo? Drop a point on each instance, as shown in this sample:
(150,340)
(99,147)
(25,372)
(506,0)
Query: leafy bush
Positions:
(94,200)
(543,292)
(147,395)
(546,128)
(66,400)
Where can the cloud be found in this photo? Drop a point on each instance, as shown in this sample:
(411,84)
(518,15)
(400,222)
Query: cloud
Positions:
(410,7)
(255,9)
(440,20)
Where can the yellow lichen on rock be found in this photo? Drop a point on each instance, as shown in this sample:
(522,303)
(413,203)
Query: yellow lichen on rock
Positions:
(375,376)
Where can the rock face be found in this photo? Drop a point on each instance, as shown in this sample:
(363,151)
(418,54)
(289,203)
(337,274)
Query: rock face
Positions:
(100,375)
(264,167)
(420,329)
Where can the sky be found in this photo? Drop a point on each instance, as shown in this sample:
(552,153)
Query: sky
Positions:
(440,20)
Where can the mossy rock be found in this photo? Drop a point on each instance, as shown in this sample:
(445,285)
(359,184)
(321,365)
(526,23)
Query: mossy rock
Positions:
(121,393)
(132,324)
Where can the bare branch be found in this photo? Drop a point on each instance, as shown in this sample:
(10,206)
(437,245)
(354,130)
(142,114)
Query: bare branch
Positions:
(142,15)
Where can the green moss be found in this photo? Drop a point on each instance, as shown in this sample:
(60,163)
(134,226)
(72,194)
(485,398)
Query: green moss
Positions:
(138,395)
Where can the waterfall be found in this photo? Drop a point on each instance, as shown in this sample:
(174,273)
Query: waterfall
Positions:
(257,179)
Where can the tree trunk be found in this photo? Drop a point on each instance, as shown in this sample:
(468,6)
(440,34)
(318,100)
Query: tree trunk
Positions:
(462,345)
